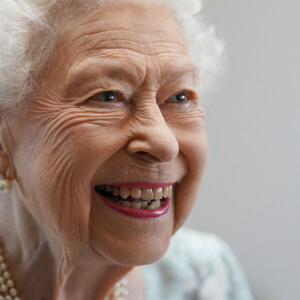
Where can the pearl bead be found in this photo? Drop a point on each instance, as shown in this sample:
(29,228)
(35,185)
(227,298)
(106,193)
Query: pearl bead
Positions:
(6,288)
(5,186)
(3,266)
(10,283)
(13,292)
(6,275)
(3,288)
(120,292)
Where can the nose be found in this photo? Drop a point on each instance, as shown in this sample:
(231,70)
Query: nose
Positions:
(151,138)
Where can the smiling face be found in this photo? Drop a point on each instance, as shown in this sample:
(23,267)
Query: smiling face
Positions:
(117,111)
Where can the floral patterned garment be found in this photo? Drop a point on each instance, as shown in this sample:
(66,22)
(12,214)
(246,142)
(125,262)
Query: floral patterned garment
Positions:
(197,266)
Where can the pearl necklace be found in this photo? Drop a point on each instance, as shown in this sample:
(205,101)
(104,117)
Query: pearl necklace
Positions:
(9,292)
(120,292)
(7,289)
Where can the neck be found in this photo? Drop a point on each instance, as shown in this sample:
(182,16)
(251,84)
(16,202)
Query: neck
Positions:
(43,269)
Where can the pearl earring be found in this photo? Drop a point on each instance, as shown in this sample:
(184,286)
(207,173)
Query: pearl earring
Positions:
(5,185)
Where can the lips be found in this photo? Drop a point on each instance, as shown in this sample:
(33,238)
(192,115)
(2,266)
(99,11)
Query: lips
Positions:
(141,200)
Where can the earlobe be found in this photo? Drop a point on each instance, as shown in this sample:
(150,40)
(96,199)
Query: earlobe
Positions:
(5,181)
(6,168)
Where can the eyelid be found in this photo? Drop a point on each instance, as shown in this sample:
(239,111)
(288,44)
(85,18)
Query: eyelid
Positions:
(118,94)
(121,96)
(189,95)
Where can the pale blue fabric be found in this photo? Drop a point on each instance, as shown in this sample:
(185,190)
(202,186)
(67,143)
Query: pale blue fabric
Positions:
(197,266)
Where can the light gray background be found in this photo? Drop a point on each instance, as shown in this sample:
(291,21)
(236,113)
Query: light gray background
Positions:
(250,192)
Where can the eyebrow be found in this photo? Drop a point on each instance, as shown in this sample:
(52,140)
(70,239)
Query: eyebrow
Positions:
(133,77)
(181,71)
(130,74)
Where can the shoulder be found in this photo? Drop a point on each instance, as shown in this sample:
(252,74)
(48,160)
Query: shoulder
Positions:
(199,266)
(192,242)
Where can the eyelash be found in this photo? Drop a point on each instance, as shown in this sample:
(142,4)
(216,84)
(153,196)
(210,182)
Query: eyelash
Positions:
(188,96)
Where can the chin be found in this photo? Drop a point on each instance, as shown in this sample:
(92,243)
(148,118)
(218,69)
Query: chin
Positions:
(126,240)
(140,251)
(144,254)
(134,242)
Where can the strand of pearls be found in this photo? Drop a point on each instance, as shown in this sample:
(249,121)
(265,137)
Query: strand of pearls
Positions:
(9,292)
(120,292)
(7,289)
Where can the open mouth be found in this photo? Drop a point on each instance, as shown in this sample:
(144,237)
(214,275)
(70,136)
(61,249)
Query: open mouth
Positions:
(136,198)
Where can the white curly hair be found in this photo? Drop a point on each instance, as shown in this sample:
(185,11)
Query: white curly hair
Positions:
(28,39)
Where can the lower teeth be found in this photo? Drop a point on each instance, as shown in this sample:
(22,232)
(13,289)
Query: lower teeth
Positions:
(139,204)
(154,204)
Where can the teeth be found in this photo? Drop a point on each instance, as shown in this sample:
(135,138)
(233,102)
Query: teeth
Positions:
(148,198)
(136,205)
(144,204)
(170,191)
(165,191)
(156,203)
(147,194)
(116,191)
(126,204)
(136,193)
(157,193)
(151,206)
(124,192)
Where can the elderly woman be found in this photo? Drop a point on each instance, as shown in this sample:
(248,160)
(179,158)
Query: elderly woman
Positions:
(103,147)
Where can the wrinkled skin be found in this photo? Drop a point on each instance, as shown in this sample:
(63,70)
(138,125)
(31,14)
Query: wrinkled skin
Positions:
(66,141)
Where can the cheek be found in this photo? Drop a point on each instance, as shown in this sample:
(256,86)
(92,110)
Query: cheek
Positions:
(55,167)
(189,129)
(195,154)
(192,141)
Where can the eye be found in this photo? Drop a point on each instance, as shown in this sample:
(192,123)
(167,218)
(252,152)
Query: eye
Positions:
(106,96)
(181,97)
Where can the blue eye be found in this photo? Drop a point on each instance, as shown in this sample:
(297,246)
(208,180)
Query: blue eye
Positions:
(107,96)
(180,97)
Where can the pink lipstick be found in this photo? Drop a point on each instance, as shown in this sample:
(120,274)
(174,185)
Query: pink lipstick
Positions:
(137,213)
(137,199)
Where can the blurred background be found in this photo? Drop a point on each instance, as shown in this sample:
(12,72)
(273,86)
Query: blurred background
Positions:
(250,193)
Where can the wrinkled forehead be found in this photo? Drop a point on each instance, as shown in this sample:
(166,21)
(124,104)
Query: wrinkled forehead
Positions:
(148,31)
(145,45)
(139,13)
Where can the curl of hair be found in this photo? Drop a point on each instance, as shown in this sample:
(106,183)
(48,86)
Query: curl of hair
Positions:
(28,39)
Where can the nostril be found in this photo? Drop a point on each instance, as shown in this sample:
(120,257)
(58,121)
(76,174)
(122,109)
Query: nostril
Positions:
(147,156)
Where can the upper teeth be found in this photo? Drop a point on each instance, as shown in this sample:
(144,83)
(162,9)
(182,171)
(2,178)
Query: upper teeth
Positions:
(145,194)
